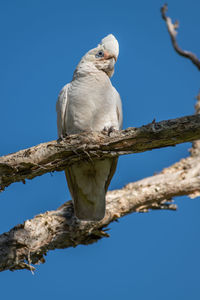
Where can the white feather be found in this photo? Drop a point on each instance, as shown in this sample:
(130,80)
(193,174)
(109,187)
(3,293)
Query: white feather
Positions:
(111,44)
(61,105)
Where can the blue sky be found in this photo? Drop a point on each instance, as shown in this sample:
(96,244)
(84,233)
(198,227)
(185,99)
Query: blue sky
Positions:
(148,256)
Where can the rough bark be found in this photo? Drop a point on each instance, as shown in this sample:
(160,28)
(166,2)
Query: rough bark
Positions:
(56,156)
(27,243)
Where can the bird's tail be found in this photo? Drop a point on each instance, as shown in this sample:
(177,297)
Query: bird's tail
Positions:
(88,183)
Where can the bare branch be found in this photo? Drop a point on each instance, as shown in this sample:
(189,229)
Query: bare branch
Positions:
(172,29)
(56,156)
(27,243)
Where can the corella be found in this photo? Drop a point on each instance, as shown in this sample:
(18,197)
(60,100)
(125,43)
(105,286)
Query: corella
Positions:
(90,103)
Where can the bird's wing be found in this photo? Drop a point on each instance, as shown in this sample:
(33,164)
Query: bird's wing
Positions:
(112,172)
(120,121)
(61,106)
(118,108)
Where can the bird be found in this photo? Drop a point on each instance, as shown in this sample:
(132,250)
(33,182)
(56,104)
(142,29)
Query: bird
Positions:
(91,103)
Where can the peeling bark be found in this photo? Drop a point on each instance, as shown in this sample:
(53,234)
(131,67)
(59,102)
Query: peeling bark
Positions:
(27,243)
(56,156)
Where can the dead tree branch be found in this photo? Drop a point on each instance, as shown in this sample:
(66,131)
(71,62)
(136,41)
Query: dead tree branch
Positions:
(172,29)
(56,156)
(27,243)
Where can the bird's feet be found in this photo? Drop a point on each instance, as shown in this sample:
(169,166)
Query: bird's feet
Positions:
(61,138)
(109,130)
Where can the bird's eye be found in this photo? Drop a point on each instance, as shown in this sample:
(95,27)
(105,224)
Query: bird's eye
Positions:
(100,54)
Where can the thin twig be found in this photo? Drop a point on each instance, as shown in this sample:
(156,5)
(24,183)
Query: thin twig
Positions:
(172,29)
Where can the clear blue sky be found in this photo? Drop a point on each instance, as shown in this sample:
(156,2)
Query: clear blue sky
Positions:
(148,256)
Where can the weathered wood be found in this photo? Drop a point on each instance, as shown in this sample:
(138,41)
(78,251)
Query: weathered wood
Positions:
(56,156)
(27,243)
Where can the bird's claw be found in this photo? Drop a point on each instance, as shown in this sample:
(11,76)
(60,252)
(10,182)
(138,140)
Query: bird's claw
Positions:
(109,130)
(61,138)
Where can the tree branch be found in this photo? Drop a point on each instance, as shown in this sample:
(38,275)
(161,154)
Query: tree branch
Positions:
(27,243)
(56,156)
(172,29)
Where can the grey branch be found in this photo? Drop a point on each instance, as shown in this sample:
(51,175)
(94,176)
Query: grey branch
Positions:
(56,156)
(26,245)
(172,29)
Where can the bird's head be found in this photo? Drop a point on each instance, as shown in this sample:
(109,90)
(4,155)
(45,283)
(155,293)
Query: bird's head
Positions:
(104,56)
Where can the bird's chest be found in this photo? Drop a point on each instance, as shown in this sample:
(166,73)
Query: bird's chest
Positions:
(87,100)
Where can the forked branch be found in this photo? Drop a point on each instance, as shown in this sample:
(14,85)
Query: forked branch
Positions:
(26,244)
(172,29)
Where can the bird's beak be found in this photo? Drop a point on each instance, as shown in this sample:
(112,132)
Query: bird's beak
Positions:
(108,55)
(115,58)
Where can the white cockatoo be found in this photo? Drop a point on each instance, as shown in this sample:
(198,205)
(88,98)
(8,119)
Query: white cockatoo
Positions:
(90,103)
